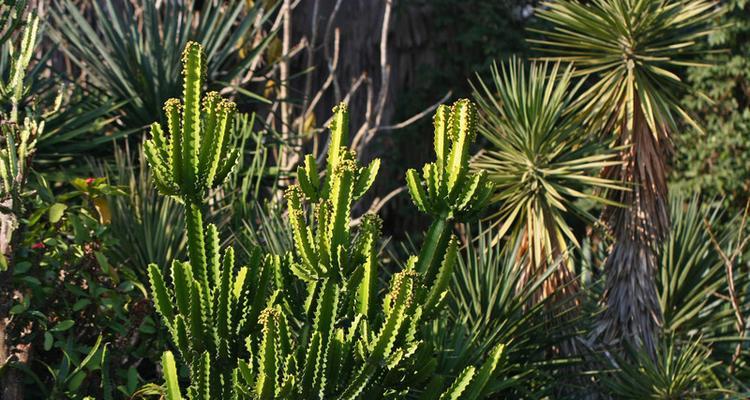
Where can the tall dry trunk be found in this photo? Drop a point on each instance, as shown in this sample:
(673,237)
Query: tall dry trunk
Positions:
(633,312)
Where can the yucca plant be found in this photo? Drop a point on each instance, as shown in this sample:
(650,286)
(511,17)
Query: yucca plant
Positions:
(81,128)
(339,342)
(694,287)
(543,165)
(692,277)
(486,306)
(679,371)
(131,53)
(633,49)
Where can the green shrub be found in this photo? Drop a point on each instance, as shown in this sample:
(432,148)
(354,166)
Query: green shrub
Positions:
(717,161)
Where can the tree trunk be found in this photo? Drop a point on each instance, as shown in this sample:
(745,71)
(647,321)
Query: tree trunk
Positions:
(633,312)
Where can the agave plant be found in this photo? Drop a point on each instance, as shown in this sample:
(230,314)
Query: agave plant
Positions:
(339,341)
(633,49)
(542,163)
(132,53)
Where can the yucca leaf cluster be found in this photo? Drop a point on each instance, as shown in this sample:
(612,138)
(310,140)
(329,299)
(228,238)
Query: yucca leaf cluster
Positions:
(243,332)
(542,163)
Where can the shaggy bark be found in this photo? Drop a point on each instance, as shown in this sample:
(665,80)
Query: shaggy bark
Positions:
(633,312)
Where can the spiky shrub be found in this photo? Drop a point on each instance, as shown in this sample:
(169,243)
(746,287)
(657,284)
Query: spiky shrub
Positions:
(679,371)
(340,341)
(486,306)
(131,53)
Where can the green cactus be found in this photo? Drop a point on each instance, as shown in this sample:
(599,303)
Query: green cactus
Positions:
(340,341)
(448,191)
(211,307)
(17,137)
(352,345)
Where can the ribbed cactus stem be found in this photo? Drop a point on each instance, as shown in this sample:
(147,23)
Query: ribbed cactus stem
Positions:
(434,246)
(197,247)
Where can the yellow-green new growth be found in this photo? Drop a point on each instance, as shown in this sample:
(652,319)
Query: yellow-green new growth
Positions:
(195,156)
(326,250)
(447,187)
(448,191)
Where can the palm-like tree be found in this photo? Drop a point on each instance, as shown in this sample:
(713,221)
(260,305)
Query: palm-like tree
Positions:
(541,163)
(633,49)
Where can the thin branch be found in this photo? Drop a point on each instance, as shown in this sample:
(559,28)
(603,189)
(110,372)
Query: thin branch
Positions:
(416,117)
(284,68)
(729,266)
(327,50)
(331,76)
(310,58)
(378,203)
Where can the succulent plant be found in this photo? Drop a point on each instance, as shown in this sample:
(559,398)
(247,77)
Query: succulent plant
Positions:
(210,308)
(448,190)
(340,341)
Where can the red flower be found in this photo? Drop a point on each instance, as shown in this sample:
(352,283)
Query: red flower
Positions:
(38,245)
(90,181)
